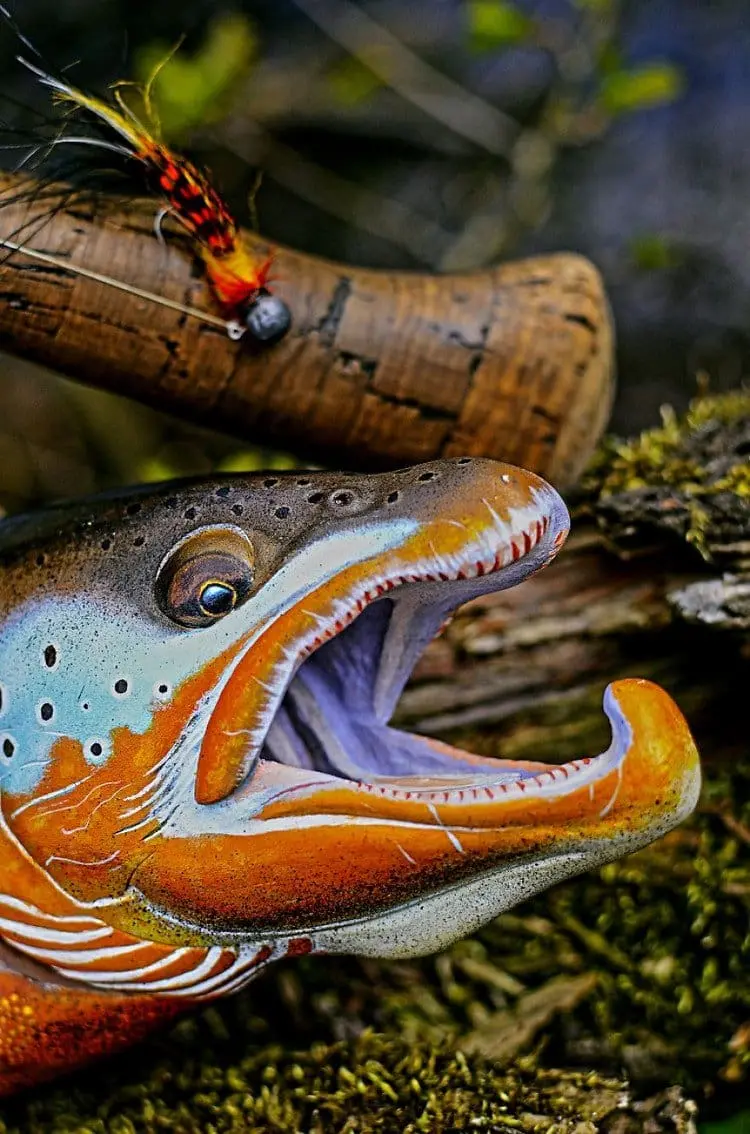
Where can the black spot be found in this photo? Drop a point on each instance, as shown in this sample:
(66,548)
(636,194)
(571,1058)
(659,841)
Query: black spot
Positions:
(85,706)
(224,490)
(8,747)
(392,497)
(271,482)
(105,544)
(171,502)
(50,656)
(139,541)
(427,476)
(133,509)
(302,483)
(121,685)
(96,749)
(315,498)
(342,498)
(190,513)
(237,509)
(46,711)
(163,688)
(464,461)
(282,512)
(41,559)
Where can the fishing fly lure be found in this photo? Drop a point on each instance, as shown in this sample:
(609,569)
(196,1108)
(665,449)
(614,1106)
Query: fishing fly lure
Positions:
(239,281)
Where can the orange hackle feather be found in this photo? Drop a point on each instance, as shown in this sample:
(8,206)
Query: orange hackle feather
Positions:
(235,275)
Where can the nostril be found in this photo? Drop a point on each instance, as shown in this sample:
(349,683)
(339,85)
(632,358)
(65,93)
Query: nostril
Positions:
(464,461)
(392,497)
(427,476)
(315,498)
(342,499)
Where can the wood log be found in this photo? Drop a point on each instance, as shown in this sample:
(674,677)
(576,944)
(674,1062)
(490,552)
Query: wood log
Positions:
(378,369)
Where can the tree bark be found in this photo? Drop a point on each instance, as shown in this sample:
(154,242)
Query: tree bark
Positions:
(378,368)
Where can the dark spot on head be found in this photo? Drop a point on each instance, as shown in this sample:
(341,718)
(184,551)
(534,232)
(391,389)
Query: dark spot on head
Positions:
(392,497)
(190,513)
(133,509)
(139,541)
(85,705)
(224,490)
(342,498)
(46,711)
(237,509)
(282,512)
(41,559)
(50,656)
(121,685)
(315,498)
(427,476)
(271,482)
(96,749)
(105,544)
(464,461)
(8,747)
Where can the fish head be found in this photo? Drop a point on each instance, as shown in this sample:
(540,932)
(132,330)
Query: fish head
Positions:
(196,685)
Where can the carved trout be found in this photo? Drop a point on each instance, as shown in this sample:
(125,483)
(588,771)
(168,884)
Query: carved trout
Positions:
(197,773)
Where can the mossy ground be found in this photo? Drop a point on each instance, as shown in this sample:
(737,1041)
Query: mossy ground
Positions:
(690,477)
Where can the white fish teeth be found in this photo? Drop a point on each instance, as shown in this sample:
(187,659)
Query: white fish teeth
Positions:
(576,773)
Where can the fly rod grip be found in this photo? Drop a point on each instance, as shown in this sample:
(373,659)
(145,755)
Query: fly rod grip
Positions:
(378,368)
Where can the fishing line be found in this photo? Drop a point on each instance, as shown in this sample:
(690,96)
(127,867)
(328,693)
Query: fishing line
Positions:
(233,329)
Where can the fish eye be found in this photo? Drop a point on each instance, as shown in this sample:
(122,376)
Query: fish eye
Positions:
(205,577)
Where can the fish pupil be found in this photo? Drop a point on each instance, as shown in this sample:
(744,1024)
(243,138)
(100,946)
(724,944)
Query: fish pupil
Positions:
(217,598)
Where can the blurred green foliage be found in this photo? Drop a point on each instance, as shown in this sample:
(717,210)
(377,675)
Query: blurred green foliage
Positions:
(496,24)
(637,88)
(191,90)
(654,252)
(352,82)
(737,1124)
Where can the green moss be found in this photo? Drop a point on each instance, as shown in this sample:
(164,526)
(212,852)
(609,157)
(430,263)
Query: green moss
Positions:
(373,1083)
(682,465)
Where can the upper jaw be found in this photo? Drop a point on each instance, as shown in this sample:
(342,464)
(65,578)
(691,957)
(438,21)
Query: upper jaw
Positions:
(342,654)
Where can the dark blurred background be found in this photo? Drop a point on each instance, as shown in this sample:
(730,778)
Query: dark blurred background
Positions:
(427,134)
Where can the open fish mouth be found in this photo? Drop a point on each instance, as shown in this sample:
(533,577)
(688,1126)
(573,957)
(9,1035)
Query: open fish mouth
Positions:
(299,736)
